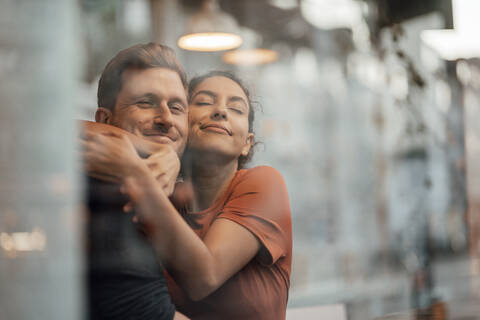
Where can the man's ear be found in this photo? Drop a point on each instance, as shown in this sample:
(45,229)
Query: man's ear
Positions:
(248,144)
(103,115)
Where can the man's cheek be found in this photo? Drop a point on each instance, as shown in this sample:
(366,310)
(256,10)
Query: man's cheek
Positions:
(136,131)
(185,129)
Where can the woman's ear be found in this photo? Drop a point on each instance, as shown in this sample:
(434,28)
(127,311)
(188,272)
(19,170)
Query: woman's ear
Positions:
(103,115)
(248,144)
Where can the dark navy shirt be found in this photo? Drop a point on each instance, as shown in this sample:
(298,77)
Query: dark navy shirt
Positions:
(125,279)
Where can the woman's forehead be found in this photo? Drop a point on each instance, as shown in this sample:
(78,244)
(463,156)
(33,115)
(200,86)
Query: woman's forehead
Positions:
(221,85)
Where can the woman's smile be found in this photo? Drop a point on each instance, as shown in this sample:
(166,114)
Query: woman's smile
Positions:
(217,128)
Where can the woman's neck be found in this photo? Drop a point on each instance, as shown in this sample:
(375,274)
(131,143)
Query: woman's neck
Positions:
(210,181)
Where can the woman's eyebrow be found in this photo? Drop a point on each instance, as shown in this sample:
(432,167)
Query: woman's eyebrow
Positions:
(206,92)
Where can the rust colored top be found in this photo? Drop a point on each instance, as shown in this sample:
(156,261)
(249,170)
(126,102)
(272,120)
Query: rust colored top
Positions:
(256,199)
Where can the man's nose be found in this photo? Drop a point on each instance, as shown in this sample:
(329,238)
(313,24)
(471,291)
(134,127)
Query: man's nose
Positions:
(163,117)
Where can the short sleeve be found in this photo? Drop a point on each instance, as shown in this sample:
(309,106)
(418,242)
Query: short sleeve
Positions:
(259,202)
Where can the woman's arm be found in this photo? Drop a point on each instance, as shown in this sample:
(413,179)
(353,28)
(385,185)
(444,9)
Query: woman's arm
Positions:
(179,316)
(200,267)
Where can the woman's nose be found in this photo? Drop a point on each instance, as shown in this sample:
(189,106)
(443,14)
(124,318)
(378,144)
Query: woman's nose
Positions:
(219,114)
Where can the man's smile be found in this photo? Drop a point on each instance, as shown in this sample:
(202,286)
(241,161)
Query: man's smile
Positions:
(158,136)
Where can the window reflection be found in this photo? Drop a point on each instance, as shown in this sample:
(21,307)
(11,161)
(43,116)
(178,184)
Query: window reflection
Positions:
(366,112)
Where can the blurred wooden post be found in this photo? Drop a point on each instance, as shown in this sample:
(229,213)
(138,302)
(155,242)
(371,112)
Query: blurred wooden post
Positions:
(167,21)
(40,253)
(472,155)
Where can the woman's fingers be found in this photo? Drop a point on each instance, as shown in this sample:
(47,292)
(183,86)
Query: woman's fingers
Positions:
(128,207)
(132,189)
(90,136)
(112,134)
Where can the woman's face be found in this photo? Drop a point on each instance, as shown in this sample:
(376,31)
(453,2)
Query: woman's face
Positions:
(218,118)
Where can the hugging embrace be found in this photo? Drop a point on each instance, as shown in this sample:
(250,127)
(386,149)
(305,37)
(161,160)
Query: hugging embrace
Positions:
(178,226)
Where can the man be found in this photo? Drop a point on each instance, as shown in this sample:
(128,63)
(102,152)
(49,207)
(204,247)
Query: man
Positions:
(141,91)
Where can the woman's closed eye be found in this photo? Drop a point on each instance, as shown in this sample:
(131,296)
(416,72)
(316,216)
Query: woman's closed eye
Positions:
(235,109)
(203,103)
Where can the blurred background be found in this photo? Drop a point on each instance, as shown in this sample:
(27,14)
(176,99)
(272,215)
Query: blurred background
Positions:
(369,108)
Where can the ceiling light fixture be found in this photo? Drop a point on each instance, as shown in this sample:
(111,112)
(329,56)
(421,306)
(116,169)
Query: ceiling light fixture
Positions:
(251,53)
(249,57)
(210,30)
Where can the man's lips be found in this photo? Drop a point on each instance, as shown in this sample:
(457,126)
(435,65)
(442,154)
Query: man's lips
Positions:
(158,136)
(216,128)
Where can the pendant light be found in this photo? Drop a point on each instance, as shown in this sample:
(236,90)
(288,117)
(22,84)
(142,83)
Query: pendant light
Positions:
(251,53)
(250,57)
(210,29)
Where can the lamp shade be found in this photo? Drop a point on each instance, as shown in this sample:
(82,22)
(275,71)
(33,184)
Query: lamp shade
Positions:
(249,57)
(210,29)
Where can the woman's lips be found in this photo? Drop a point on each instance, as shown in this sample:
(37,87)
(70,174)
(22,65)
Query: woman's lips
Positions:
(216,128)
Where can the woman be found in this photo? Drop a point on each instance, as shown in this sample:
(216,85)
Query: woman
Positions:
(241,268)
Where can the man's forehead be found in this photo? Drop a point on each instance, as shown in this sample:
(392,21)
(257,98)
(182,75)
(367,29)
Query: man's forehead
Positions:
(162,79)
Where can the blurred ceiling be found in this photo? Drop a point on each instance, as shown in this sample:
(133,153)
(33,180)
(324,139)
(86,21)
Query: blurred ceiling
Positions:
(277,25)
(274,24)
(396,11)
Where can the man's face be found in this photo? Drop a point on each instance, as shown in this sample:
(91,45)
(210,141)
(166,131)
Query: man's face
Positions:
(153,105)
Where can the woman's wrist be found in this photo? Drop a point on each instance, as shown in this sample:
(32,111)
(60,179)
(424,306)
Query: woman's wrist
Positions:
(152,203)
(137,169)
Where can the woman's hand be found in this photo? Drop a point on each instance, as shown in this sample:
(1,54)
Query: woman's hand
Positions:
(110,156)
(147,196)
(165,166)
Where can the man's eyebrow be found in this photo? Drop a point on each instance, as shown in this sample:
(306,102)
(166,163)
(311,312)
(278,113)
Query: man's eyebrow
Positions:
(149,96)
(207,92)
